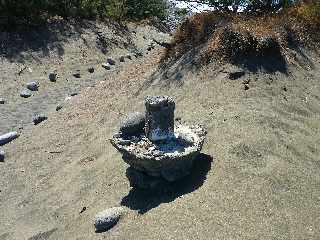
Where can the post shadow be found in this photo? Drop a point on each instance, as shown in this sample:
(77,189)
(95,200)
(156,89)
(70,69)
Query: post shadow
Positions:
(145,200)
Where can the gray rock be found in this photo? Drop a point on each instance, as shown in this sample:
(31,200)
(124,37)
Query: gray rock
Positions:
(122,59)
(106,66)
(59,107)
(108,218)
(77,74)
(111,61)
(129,57)
(39,118)
(33,86)
(2,155)
(246,87)
(138,54)
(53,76)
(133,124)
(8,137)
(26,93)
(2,101)
(91,70)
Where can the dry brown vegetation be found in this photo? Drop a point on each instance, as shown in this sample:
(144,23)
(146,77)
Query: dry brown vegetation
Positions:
(230,36)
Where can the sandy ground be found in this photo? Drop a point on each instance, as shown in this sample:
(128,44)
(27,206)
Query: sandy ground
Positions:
(258,176)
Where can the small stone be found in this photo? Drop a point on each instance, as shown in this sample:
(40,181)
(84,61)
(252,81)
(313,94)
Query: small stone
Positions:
(122,59)
(2,101)
(2,155)
(26,93)
(91,70)
(129,57)
(284,88)
(133,124)
(77,74)
(59,107)
(74,94)
(246,87)
(108,218)
(8,137)
(111,61)
(106,66)
(33,86)
(138,54)
(39,118)
(149,49)
(53,77)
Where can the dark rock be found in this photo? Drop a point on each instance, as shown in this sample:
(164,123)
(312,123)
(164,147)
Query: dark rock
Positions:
(246,87)
(39,118)
(59,107)
(53,77)
(2,155)
(6,138)
(110,61)
(236,75)
(129,57)
(284,88)
(138,54)
(108,218)
(77,74)
(133,124)
(122,59)
(91,70)
(141,180)
(33,86)
(2,101)
(74,94)
(106,66)
(26,93)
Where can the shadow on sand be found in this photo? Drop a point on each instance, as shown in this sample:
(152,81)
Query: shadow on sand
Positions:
(143,200)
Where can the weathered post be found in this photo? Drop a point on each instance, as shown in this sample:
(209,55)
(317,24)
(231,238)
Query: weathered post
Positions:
(159,118)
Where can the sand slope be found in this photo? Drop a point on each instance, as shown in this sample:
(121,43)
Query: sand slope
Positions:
(258,176)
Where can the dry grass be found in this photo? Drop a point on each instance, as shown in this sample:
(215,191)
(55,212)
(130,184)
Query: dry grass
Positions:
(231,36)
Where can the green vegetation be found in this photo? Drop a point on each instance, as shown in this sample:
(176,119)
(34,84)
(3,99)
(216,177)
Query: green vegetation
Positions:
(23,12)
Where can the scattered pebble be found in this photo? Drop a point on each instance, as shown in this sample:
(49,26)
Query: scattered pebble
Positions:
(39,118)
(106,66)
(129,57)
(59,107)
(2,155)
(284,88)
(26,93)
(2,101)
(246,87)
(91,70)
(111,61)
(8,137)
(122,59)
(77,74)
(53,77)
(33,86)
(138,54)
(107,219)
(83,210)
